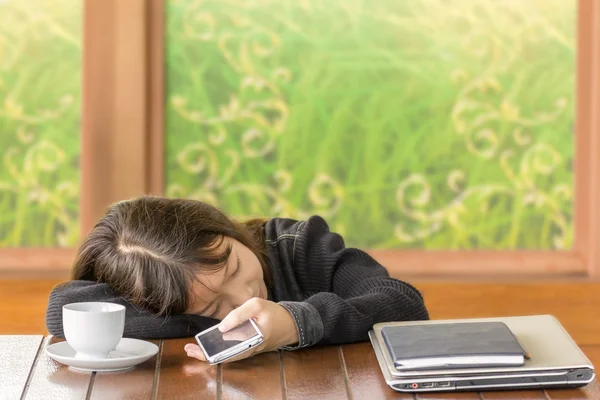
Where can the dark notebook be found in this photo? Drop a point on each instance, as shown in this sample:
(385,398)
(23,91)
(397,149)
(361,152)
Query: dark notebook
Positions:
(453,345)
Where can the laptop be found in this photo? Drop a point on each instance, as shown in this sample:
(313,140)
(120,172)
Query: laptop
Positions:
(554,361)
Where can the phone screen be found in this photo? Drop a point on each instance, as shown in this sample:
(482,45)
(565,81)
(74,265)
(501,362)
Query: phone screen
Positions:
(214,341)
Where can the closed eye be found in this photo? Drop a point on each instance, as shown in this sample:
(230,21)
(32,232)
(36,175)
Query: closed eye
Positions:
(239,266)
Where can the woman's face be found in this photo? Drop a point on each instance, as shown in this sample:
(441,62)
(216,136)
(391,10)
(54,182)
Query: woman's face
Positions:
(218,293)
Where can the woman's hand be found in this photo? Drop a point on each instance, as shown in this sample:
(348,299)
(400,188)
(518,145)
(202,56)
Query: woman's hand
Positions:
(275,322)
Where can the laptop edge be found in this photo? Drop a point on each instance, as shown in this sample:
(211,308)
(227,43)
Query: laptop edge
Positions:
(500,381)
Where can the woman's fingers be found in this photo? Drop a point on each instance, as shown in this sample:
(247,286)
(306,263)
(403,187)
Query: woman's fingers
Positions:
(234,329)
(250,309)
(194,351)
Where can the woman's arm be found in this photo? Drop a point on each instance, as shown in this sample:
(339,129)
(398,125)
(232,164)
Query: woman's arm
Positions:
(348,291)
(138,324)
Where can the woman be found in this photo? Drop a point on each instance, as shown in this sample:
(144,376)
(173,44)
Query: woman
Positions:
(180,266)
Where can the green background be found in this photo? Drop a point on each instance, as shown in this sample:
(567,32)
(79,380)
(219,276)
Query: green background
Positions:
(406,124)
(40,95)
(419,124)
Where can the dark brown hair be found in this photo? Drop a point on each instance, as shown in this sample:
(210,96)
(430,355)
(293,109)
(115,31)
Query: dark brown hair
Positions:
(149,249)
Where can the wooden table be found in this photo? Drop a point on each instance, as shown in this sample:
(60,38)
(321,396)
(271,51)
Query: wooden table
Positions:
(335,372)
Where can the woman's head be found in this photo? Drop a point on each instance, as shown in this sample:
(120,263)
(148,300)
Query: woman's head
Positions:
(171,256)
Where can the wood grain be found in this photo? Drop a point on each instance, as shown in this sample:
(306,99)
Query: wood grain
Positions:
(573,304)
(35,260)
(531,394)
(364,375)
(52,380)
(16,360)
(481,262)
(593,353)
(591,391)
(331,372)
(135,384)
(23,305)
(182,377)
(449,395)
(98,124)
(114,140)
(156,97)
(318,372)
(257,377)
(586,219)
(314,373)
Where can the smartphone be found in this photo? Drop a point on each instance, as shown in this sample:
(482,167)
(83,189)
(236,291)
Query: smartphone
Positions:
(218,347)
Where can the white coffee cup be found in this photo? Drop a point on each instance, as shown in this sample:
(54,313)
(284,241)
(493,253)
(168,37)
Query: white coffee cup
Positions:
(93,329)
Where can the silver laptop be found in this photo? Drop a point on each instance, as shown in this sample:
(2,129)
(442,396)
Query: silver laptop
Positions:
(554,361)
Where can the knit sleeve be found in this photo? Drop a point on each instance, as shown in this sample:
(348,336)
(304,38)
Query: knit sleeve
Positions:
(348,291)
(138,324)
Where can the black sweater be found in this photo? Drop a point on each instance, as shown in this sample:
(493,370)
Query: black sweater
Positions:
(334,293)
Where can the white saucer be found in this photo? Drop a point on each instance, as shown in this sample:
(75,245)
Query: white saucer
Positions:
(129,353)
